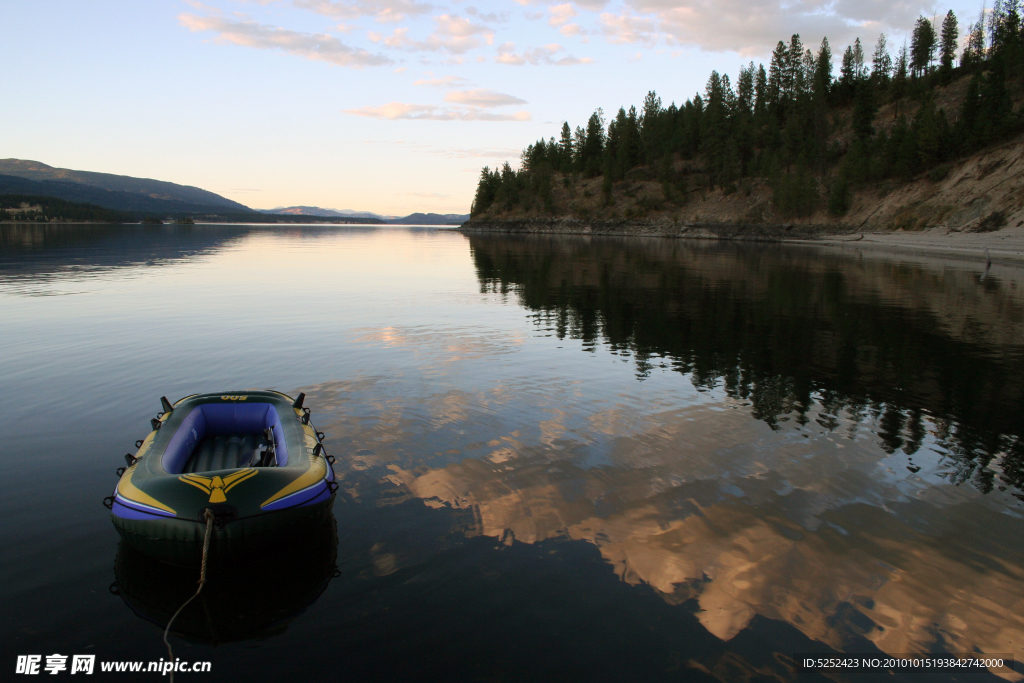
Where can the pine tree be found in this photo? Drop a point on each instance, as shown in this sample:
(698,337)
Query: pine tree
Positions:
(860,71)
(922,47)
(947,45)
(996,108)
(881,63)
(823,70)
(650,129)
(967,123)
(822,85)
(593,145)
(995,20)
(565,148)
(931,132)
(485,191)
(777,75)
(760,92)
(794,67)
(715,132)
(899,79)
(775,123)
(974,51)
(863,114)
(846,75)
(579,142)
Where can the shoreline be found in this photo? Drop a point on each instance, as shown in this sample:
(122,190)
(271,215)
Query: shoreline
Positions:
(1005,246)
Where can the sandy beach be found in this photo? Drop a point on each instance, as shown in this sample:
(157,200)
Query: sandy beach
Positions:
(1005,246)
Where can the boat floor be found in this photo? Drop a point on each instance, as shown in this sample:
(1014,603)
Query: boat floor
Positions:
(225,451)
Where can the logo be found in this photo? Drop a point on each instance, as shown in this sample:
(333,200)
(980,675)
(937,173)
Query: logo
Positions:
(218,487)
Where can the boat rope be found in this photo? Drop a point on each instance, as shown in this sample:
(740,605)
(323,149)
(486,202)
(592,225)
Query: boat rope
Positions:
(208,515)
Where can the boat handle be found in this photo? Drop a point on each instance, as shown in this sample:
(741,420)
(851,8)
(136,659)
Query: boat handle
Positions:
(130,459)
(138,444)
(120,471)
(155,424)
(333,486)
(330,459)
(108,502)
(320,435)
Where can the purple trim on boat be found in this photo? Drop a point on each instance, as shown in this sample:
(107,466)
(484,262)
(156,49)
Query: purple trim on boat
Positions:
(324,495)
(120,509)
(299,498)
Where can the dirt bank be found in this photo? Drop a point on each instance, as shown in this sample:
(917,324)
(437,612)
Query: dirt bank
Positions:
(960,208)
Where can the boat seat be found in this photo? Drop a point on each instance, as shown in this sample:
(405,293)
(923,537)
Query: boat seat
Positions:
(226,451)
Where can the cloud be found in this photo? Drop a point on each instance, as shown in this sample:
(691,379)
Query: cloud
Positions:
(429,112)
(593,5)
(560,14)
(455,35)
(752,27)
(315,46)
(492,17)
(443,82)
(481,98)
(382,10)
(626,28)
(539,55)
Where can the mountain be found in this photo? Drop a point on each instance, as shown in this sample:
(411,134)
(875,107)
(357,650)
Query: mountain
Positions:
(431,219)
(143,187)
(144,196)
(411,219)
(317,211)
(118,200)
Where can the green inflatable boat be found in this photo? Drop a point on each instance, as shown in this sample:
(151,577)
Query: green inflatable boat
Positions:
(251,458)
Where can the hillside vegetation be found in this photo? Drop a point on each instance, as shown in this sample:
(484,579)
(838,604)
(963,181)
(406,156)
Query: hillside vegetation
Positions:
(795,143)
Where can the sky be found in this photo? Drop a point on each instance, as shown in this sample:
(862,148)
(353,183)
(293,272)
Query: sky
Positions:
(390,106)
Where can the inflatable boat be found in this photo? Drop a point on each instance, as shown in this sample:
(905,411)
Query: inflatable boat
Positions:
(231,608)
(251,458)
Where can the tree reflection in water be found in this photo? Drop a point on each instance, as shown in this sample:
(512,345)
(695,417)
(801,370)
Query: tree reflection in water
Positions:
(914,350)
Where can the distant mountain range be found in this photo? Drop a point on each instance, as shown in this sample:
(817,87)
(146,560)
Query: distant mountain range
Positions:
(411,219)
(431,219)
(139,193)
(111,199)
(158,198)
(327,213)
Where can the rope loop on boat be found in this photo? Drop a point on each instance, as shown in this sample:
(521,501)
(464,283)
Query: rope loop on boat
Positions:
(208,515)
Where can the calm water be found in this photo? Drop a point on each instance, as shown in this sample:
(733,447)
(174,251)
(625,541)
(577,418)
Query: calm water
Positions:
(560,458)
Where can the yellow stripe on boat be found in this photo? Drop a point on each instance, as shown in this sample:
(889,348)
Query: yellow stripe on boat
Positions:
(126,489)
(317,471)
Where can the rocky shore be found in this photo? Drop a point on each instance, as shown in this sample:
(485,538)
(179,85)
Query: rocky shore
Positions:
(1004,246)
(974,204)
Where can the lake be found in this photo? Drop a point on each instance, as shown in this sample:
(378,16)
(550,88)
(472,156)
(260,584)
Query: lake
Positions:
(559,457)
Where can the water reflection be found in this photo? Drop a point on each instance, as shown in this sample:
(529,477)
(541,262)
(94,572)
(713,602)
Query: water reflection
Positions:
(757,451)
(250,597)
(800,334)
(836,516)
(31,255)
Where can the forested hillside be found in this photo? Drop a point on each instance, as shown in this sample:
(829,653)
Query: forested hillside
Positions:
(815,138)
